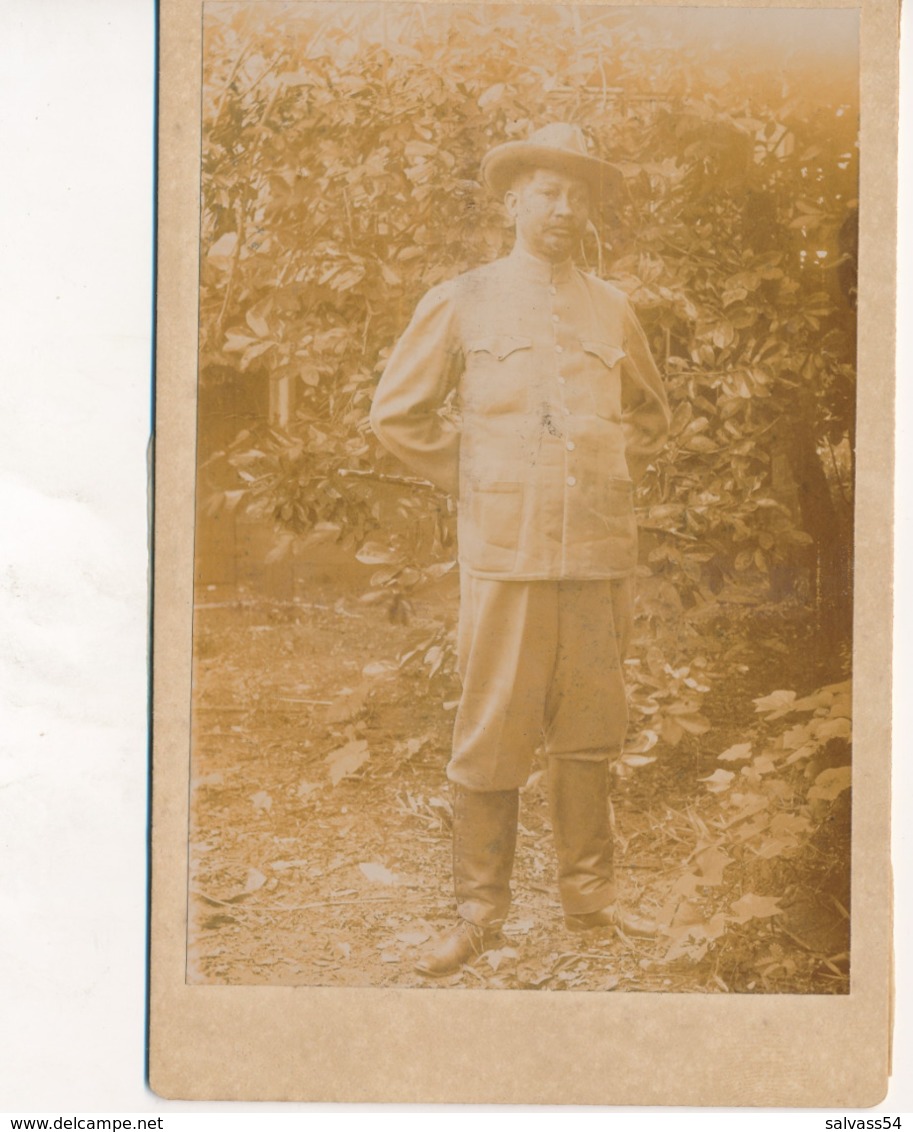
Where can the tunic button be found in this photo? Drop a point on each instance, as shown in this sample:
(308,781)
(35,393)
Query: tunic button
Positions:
(570,446)
(571,480)
(559,349)
(554,318)
(553,290)
(565,410)
(561,381)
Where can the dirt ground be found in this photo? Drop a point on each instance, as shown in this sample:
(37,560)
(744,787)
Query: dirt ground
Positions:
(320,819)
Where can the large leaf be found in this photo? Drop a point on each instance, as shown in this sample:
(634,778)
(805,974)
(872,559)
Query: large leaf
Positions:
(377,554)
(711,862)
(831,783)
(776,704)
(347,760)
(741,752)
(719,781)
(754,907)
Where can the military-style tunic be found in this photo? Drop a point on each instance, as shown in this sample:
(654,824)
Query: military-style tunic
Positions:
(559,397)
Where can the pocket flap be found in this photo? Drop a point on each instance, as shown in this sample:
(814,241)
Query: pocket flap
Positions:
(500,346)
(610,355)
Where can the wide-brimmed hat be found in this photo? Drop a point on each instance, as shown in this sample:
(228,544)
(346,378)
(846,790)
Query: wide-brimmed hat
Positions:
(559,145)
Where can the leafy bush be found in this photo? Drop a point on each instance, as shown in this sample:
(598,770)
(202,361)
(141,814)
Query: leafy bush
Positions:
(340,161)
(769,801)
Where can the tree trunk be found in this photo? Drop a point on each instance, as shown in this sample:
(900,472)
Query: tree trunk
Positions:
(831,528)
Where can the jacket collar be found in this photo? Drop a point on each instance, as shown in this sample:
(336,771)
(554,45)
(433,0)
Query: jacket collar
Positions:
(540,270)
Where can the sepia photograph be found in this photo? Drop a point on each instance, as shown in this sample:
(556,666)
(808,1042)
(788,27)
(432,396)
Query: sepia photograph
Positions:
(510,361)
(523,557)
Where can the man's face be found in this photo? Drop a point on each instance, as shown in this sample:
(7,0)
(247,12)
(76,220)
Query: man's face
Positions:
(550,210)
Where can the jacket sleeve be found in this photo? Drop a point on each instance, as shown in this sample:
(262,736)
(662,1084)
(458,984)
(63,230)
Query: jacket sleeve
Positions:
(419,376)
(645,410)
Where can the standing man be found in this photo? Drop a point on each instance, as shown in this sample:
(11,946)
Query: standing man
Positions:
(561,402)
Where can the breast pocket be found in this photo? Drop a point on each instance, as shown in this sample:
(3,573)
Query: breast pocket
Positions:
(604,378)
(497,377)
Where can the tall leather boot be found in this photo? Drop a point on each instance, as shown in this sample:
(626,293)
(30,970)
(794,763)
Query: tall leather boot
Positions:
(484,839)
(579,803)
(578,796)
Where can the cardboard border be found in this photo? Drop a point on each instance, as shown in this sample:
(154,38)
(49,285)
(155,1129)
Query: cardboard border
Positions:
(308,1044)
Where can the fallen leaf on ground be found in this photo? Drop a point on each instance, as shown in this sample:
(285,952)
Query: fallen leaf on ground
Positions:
(349,704)
(214,779)
(381,669)
(378,874)
(255,880)
(411,747)
(754,907)
(522,926)
(711,863)
(533,976)
(346,760)
(280,866)
(775,846)
(413,939)
(496,958)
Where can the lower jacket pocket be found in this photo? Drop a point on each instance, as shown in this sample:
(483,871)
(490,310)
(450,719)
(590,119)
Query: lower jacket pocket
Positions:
(491,534)
(616,507)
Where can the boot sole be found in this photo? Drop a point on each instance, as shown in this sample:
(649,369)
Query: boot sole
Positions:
(428,972)
(576,926)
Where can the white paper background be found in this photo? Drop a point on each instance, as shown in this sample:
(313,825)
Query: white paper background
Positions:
(76,196)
